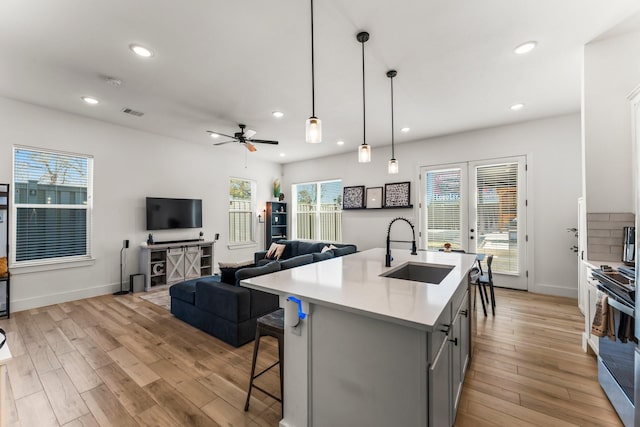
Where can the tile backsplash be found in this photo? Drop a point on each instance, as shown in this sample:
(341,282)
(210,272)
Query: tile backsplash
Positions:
(604,235)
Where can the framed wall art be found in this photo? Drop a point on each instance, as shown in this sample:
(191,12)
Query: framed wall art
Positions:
(397,195)
(374,198)
(353,197)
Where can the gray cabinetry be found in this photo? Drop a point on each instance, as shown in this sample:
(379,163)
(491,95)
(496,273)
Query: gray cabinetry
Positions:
(168,263)
(448,366)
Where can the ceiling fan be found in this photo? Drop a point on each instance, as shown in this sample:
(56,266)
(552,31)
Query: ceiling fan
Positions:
(243,137)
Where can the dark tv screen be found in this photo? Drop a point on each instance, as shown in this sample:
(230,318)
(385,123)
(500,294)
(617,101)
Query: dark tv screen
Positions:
(166,214)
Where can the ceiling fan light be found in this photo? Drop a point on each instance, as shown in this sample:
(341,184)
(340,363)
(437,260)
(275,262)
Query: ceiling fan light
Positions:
(393,167)
(314,130)
(364,153)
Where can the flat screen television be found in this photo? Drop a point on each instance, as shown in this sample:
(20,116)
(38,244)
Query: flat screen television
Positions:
(167,214)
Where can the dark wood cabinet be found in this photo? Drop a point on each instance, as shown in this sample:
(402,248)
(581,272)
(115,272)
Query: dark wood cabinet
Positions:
(275,222)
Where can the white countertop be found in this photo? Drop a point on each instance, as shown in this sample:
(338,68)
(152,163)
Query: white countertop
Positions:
(353,283)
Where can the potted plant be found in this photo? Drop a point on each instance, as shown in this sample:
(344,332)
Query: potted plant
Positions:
(276,189)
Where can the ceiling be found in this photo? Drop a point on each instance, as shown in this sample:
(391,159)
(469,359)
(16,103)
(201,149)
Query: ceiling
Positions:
(219,63)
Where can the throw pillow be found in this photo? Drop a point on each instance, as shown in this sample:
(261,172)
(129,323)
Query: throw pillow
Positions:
(328,248)
(3,266)
(275,251)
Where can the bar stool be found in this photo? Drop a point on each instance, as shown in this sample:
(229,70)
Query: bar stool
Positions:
(271,324)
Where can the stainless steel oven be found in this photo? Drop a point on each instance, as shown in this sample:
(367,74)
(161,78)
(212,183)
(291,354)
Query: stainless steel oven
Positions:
(616,356)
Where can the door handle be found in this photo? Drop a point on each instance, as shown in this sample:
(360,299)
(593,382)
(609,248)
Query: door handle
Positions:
(470,237)
(472,230)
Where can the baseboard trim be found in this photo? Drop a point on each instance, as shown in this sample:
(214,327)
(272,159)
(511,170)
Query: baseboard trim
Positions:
(558,291)
(57,298)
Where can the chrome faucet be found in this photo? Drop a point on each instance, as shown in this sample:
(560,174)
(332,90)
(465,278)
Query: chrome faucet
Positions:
(387,258)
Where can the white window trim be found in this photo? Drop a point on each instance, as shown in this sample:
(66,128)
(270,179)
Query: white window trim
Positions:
(294,209)
(252,242)
(19,267)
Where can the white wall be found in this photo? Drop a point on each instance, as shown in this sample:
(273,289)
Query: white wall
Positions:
(611,72)
(552,147)
(128,166)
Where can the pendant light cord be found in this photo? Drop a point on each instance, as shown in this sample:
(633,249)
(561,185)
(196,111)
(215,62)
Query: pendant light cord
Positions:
(313,74)
(364,115)
(393,154)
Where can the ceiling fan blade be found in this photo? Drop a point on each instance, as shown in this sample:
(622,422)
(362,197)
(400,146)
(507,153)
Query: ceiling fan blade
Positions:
(249,133)
(265,141)
(250,146)
(218,133)
(222,143)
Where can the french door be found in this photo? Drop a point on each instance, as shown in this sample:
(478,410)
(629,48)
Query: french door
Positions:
(479,207)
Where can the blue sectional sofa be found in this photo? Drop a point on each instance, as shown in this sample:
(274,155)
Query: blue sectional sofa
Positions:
(229,311)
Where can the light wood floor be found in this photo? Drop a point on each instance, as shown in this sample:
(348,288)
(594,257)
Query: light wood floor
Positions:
(122,361)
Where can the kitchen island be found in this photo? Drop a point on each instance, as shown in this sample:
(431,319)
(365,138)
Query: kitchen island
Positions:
(373,350)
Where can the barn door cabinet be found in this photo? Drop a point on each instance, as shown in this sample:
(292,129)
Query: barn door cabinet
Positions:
(168,263)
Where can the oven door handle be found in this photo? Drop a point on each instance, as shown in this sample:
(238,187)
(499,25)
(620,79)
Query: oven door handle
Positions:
(621,307)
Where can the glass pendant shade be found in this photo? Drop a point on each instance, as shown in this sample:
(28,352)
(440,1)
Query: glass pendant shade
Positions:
(394,168)
(364,153)
(314,130)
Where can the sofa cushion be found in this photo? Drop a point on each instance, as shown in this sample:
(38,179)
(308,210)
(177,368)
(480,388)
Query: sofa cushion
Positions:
(309,247)
(184,291)
(263,261)
(245,273)
(345,250)
(296,261)
(228,270)
(223,300)
(322,256)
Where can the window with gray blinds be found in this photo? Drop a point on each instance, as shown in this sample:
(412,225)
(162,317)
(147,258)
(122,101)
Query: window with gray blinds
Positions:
(52,205)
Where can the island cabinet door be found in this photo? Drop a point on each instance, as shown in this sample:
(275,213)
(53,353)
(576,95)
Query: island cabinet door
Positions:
(440,387)
(460,341)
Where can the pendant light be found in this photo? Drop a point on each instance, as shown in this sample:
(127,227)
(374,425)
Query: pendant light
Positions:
(364,151)
(393,168)
(314,124)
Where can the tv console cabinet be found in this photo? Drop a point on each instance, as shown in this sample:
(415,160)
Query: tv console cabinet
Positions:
(172,262)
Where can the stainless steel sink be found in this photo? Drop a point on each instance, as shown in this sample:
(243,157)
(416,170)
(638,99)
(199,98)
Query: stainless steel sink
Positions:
(426,273)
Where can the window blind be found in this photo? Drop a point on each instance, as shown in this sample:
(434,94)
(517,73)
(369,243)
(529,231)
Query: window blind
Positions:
(497,214)
(443,208)
(51,205)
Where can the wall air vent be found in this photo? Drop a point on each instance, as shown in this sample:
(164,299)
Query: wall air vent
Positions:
(133,112)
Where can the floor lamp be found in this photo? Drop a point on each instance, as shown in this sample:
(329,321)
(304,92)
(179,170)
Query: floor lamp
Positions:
(125,245)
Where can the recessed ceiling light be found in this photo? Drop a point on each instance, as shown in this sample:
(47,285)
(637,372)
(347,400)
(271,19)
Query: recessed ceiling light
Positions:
(277,114)
(525,48)
(90,100)
(141,51)
(214,135)
(341,142)
(405,130)
(282,154)
(516,107)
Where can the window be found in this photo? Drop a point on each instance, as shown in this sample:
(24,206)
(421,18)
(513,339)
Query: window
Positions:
(317,213)
(242,200)
(52,206)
